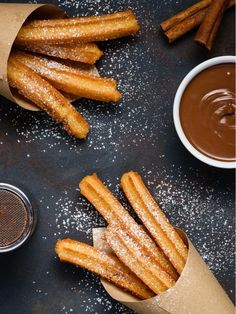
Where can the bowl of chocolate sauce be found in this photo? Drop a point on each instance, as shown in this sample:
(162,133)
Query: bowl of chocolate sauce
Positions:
(204,112)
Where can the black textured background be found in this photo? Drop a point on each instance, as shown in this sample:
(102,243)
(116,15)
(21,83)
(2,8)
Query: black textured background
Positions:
(39,157)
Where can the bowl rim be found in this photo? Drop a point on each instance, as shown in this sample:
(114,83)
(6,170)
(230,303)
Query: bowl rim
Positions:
(176,112)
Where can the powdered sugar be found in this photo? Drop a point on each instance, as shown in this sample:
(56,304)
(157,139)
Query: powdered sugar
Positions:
(138,133)
(187,205)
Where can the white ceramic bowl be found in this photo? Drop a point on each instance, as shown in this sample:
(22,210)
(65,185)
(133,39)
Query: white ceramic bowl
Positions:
(199,68)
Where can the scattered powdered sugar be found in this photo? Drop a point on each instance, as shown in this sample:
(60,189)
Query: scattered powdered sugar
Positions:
(75,215)
(186,204)
(90,298)
(189,206)
(121,61)
(118,128)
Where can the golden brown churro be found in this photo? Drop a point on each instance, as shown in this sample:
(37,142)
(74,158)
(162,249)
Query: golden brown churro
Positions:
(69,79)
(80,20)
(128,251)
(72,41)
(45,96)
(103,264)
(85,52)
(76,30)
(154,219)
(114,213)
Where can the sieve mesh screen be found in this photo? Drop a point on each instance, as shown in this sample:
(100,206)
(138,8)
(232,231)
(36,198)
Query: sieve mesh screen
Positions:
(13,217)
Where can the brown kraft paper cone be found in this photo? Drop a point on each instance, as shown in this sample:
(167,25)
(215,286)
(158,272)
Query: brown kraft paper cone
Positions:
(196,292)
(12,17)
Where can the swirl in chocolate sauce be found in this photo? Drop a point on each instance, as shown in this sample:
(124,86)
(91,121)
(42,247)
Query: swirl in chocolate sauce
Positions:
(207,112)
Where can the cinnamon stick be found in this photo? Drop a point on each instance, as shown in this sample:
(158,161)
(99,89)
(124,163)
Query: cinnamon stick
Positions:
(189,23)
(216,26)
(213,34)
(179,17)
(185,26)
(211,22)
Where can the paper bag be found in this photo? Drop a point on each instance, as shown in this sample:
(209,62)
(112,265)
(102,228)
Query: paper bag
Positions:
(12,17)
(196,292)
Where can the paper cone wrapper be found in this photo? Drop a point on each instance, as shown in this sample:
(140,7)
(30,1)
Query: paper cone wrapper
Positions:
(196,292)
(12,17)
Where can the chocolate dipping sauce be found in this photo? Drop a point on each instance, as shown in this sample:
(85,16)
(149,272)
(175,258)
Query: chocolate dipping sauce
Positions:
(207,112)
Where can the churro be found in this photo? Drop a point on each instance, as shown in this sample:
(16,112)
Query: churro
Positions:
(128,251)
(103,264)
(114,213)
(154,219)
(40,92)
(85,52)
(76,30)
(69,79)
(80,20)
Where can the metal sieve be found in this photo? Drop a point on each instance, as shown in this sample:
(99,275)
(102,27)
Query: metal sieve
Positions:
(17,217)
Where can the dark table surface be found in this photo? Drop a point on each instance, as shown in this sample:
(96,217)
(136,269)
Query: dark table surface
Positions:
(39,157)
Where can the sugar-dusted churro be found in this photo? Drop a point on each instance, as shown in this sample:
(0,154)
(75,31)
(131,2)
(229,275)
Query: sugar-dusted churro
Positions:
(84,52)
(154,219)
(33,87)
(103,264)
(128,251)
(80,20)
(69,79)
(86,29)
(114,213)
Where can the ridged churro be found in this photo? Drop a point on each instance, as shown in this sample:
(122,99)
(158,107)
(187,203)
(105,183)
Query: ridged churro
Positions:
(80,20)
(69,79)
(76,30)
(103,264)
(40,92)
(128,251)
(85,52)
(154,219)
(114,213)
